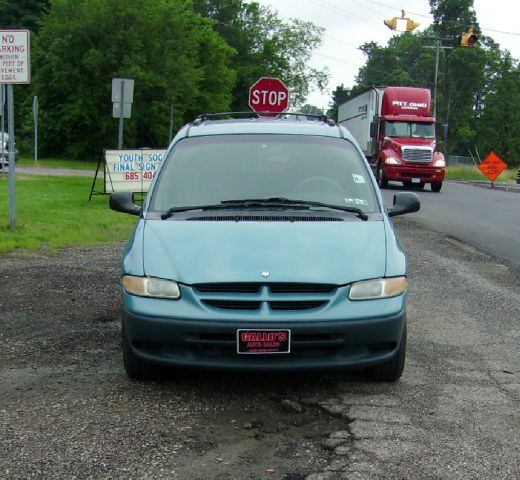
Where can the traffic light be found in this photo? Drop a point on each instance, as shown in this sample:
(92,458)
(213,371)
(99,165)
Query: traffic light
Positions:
(469,39)
(401,24)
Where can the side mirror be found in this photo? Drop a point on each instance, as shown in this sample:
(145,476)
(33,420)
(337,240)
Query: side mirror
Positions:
(124,202)
(404,203)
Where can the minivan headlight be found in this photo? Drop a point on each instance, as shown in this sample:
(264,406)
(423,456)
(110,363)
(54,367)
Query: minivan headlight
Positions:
(378,288)
(151,287)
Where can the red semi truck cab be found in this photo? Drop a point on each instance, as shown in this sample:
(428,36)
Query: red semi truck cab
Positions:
(401,143)
(406,140)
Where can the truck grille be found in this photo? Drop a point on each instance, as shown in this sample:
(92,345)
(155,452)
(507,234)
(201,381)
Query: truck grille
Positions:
(416,154)
(276,296)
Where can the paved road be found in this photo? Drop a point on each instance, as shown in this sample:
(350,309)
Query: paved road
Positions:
(484,218)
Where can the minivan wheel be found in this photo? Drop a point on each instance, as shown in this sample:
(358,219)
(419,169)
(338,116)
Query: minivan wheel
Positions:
(135,368)
(391,370)
(436,187)
(381,179)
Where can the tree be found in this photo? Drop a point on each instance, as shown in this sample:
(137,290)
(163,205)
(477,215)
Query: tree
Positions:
(499,126)
(266,45)
(339,95)
(26,15)
(451,18)
(309,109)
(172,53)
(22,14)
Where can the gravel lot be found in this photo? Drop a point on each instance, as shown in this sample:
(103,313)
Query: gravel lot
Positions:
(67,409)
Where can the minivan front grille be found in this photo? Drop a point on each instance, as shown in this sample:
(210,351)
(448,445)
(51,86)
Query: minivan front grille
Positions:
(422,155)
(273,287)
(232,304)
(275,296)
(228,287)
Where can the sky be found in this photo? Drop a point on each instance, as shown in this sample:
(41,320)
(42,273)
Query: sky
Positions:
(350,23)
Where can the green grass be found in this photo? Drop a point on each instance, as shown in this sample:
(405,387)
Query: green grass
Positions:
(60,163)
(466,172)
(55,212)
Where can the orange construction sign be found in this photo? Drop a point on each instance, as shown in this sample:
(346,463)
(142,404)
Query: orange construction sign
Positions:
(492,166)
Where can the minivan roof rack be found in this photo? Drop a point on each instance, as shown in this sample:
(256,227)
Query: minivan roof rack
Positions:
(306,116)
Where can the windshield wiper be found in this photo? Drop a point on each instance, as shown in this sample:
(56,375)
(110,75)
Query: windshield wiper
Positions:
(225,205)
(289,202)
(280,202)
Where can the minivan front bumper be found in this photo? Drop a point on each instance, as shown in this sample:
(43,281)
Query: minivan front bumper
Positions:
(316,344)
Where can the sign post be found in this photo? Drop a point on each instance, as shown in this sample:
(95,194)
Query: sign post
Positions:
(35,113)
(14,69)
(2,109)
(269,95)
(492,167)
(122,98)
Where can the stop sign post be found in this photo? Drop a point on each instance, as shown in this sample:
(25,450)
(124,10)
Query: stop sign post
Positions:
(269,95)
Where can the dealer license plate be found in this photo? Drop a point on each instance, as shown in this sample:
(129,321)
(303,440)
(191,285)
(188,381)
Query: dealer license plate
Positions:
(263,341)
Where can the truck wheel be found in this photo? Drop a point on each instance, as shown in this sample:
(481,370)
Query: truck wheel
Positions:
(136,369)
(381,179)
(436,187)
(391,370)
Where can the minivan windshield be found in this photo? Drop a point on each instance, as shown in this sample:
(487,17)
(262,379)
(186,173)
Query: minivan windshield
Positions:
(209,170)
(410,129)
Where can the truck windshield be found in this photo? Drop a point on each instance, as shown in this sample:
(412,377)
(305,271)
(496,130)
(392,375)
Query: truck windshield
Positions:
(410,129)
(208,170)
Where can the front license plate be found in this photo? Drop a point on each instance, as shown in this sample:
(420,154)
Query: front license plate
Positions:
(263,341)
(416,180)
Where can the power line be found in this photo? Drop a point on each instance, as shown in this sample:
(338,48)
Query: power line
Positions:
(431,17)
(499,31)
(393,8)
(340,11)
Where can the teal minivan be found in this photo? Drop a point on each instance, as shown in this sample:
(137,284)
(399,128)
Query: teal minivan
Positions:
(263,244)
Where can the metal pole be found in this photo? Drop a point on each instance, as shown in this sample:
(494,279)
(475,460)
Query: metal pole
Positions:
(121,100)
(10,126)
(35,112)
(2,101)
(435,80)
(171,123)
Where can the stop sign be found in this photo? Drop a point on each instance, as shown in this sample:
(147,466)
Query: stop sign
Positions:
(269,95)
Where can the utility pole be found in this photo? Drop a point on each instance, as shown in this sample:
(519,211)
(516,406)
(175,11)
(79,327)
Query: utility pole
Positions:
(437,48)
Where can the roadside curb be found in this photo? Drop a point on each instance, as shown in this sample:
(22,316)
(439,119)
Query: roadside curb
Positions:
(507,187)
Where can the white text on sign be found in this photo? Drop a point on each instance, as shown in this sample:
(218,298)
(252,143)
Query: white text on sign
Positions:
(263,97)
(14,56)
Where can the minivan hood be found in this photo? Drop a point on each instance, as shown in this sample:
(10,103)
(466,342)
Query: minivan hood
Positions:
(211,252)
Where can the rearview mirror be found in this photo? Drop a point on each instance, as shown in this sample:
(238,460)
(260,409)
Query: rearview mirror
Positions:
(404,203)
(124,202)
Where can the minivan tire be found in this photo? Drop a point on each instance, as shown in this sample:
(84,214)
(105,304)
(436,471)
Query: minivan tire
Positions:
(391,370)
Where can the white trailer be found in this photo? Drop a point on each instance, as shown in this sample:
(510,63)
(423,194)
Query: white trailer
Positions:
(357,114)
